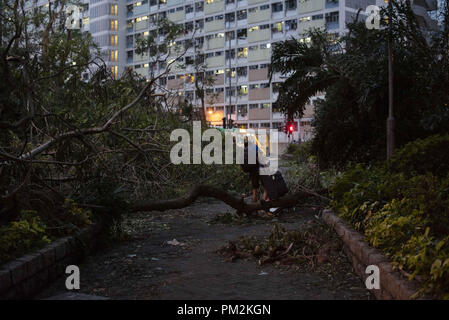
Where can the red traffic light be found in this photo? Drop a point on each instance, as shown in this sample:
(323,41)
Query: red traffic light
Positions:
(290,128)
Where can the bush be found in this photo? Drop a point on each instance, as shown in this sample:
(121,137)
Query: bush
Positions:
(405,215)
(422,156)
(292,148)
(21,236)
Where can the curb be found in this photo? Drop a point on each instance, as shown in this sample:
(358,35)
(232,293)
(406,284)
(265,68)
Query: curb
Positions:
(28,275)
(393,285)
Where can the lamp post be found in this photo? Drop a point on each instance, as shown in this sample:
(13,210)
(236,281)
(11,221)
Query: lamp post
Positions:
(230,84)
(390,120)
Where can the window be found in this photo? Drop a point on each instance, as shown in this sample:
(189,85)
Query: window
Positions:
(242,90)
(242,33)
(242,52)
(253,106)
(277,125)
(254,125)
(230,35)
(332,17)
(242,110)
(265,7)
(291,25)
(241,15)
(230,17)
(277,7)
(290,4)
(232,54)
(277,27)
(199,7)
(242,71)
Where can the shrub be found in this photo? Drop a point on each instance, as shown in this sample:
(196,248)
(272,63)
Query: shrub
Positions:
(403,213)
(292,148)
(21,236)
(422,156)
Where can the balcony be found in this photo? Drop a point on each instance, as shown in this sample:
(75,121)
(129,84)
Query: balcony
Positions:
(259,114)
(214,7)
(304,26)
(214,25)
(259,94)
(218,79)
(142,71)
(250,2)
(175,84)
(141,57)
(310,6)
(216,61)
(176,16)
(141,25)
(258,74)
(142,9)
(177,67)
(259,55)
(171,3)
(215,98)
(215,43)
(259,16)
(259,35)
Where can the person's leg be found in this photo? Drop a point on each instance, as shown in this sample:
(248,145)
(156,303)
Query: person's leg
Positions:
(255,185)
(265,194)
(255,195)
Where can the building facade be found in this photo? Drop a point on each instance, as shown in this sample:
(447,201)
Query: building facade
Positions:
(235,37)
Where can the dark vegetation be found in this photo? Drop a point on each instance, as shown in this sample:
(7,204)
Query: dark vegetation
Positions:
(75,149)
(401,205)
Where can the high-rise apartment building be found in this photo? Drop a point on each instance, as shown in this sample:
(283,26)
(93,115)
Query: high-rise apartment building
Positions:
(235,37)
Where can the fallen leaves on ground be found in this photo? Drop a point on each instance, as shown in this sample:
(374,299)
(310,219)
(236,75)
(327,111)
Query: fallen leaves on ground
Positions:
(310,247)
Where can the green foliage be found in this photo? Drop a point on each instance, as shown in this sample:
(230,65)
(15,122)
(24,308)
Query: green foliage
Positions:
(292,148)
(21,236)
(422,156)
(406,214)
(350,122)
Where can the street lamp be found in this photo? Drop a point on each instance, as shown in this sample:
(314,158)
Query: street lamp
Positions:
(390,120)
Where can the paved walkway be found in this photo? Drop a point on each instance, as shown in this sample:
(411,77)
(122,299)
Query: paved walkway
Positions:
(146,267)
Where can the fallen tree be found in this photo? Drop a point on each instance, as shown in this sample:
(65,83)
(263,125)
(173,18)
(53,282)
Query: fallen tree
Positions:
(238,203)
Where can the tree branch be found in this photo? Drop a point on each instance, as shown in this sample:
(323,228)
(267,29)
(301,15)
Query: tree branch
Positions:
(287,201)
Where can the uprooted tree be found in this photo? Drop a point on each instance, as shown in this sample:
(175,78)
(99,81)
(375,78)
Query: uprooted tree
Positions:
(71,129)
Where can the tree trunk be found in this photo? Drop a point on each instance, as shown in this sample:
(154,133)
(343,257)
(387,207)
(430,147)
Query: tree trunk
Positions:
(209,191)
